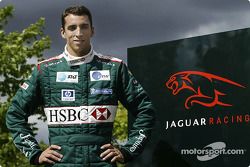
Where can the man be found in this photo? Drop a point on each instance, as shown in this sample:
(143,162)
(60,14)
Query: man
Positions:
(79,91)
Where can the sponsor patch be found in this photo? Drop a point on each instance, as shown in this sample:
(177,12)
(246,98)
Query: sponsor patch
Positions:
(101,75)
(72,62)
(68,95)
(24,86)
(139,140)
(95,91)
(67,77)
(80,114)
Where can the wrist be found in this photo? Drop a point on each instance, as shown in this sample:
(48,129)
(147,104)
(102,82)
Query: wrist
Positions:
(35,160)
(126,156)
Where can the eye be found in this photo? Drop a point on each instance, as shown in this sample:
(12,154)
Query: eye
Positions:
(84,26)
(71,27)
(172,78)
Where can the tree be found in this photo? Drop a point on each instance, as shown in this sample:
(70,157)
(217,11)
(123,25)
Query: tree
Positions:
(121,124)
(15,49)
(120,132)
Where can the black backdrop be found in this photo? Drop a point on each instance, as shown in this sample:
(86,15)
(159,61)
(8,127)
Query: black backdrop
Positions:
(212,75)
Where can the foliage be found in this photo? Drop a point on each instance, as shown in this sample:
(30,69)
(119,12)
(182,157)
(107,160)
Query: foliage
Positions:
(120,132)
(18,160)
(15,49)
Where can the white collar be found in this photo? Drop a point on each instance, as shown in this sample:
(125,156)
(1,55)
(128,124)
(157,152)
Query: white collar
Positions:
(78,60)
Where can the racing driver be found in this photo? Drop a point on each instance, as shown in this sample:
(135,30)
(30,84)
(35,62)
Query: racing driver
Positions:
(79,92)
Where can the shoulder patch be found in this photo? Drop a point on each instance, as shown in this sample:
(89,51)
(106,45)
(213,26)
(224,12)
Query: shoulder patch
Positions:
(110,58)
(24,86)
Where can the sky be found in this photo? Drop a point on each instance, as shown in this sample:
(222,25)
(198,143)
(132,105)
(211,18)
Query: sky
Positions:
(122,24)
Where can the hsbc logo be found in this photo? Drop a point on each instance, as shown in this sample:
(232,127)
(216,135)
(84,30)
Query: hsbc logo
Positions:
(101,113)
(67,77)
(80,115)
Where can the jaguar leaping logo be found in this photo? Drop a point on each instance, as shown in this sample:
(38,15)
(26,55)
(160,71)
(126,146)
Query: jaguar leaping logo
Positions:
(183,81)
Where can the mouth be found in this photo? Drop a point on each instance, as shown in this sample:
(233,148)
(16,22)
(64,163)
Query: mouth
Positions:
(173,86)
(78,41)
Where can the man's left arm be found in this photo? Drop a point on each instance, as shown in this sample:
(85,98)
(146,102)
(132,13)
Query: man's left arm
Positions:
(137,102)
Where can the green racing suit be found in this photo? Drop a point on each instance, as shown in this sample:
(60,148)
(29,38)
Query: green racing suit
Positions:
(79,98)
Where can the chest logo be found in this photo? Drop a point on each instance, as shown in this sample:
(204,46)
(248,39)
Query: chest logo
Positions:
(101,75)
(68,95)
(101,113)
(67,77)
(105,91)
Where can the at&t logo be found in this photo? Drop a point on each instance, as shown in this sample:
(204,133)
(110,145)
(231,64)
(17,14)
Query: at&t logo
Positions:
(67,77)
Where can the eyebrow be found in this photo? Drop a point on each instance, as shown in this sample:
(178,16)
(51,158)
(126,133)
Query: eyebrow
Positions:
(80,24)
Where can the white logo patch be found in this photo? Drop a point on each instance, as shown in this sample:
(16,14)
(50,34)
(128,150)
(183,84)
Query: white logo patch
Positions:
(96,91)
(80,114)
(101,75)
(24,86)
(68,95)
(67,77)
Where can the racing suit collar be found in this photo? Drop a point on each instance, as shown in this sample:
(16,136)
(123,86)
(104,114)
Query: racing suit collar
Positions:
(78,60)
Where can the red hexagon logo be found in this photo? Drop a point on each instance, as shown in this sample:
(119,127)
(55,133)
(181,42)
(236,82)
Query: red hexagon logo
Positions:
(101,113)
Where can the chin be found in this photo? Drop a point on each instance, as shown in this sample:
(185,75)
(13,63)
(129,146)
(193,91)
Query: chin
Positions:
(78,49)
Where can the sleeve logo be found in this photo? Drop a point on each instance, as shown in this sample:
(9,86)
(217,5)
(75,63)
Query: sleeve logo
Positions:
(24,86)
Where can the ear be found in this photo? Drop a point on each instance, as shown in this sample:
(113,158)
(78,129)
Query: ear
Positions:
(62,33)
(93,31)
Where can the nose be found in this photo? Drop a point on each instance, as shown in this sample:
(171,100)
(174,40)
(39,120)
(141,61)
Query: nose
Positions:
(78,31)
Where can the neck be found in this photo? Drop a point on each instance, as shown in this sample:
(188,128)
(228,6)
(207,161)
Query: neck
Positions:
(76,60)
(84,53)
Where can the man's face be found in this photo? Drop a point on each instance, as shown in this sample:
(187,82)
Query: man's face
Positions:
(77,32)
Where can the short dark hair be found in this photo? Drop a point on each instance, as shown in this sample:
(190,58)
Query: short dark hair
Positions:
(76,10)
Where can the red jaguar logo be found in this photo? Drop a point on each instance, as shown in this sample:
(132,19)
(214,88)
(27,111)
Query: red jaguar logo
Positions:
(183,81)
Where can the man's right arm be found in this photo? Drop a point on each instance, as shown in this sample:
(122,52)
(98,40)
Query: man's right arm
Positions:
(23,105)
